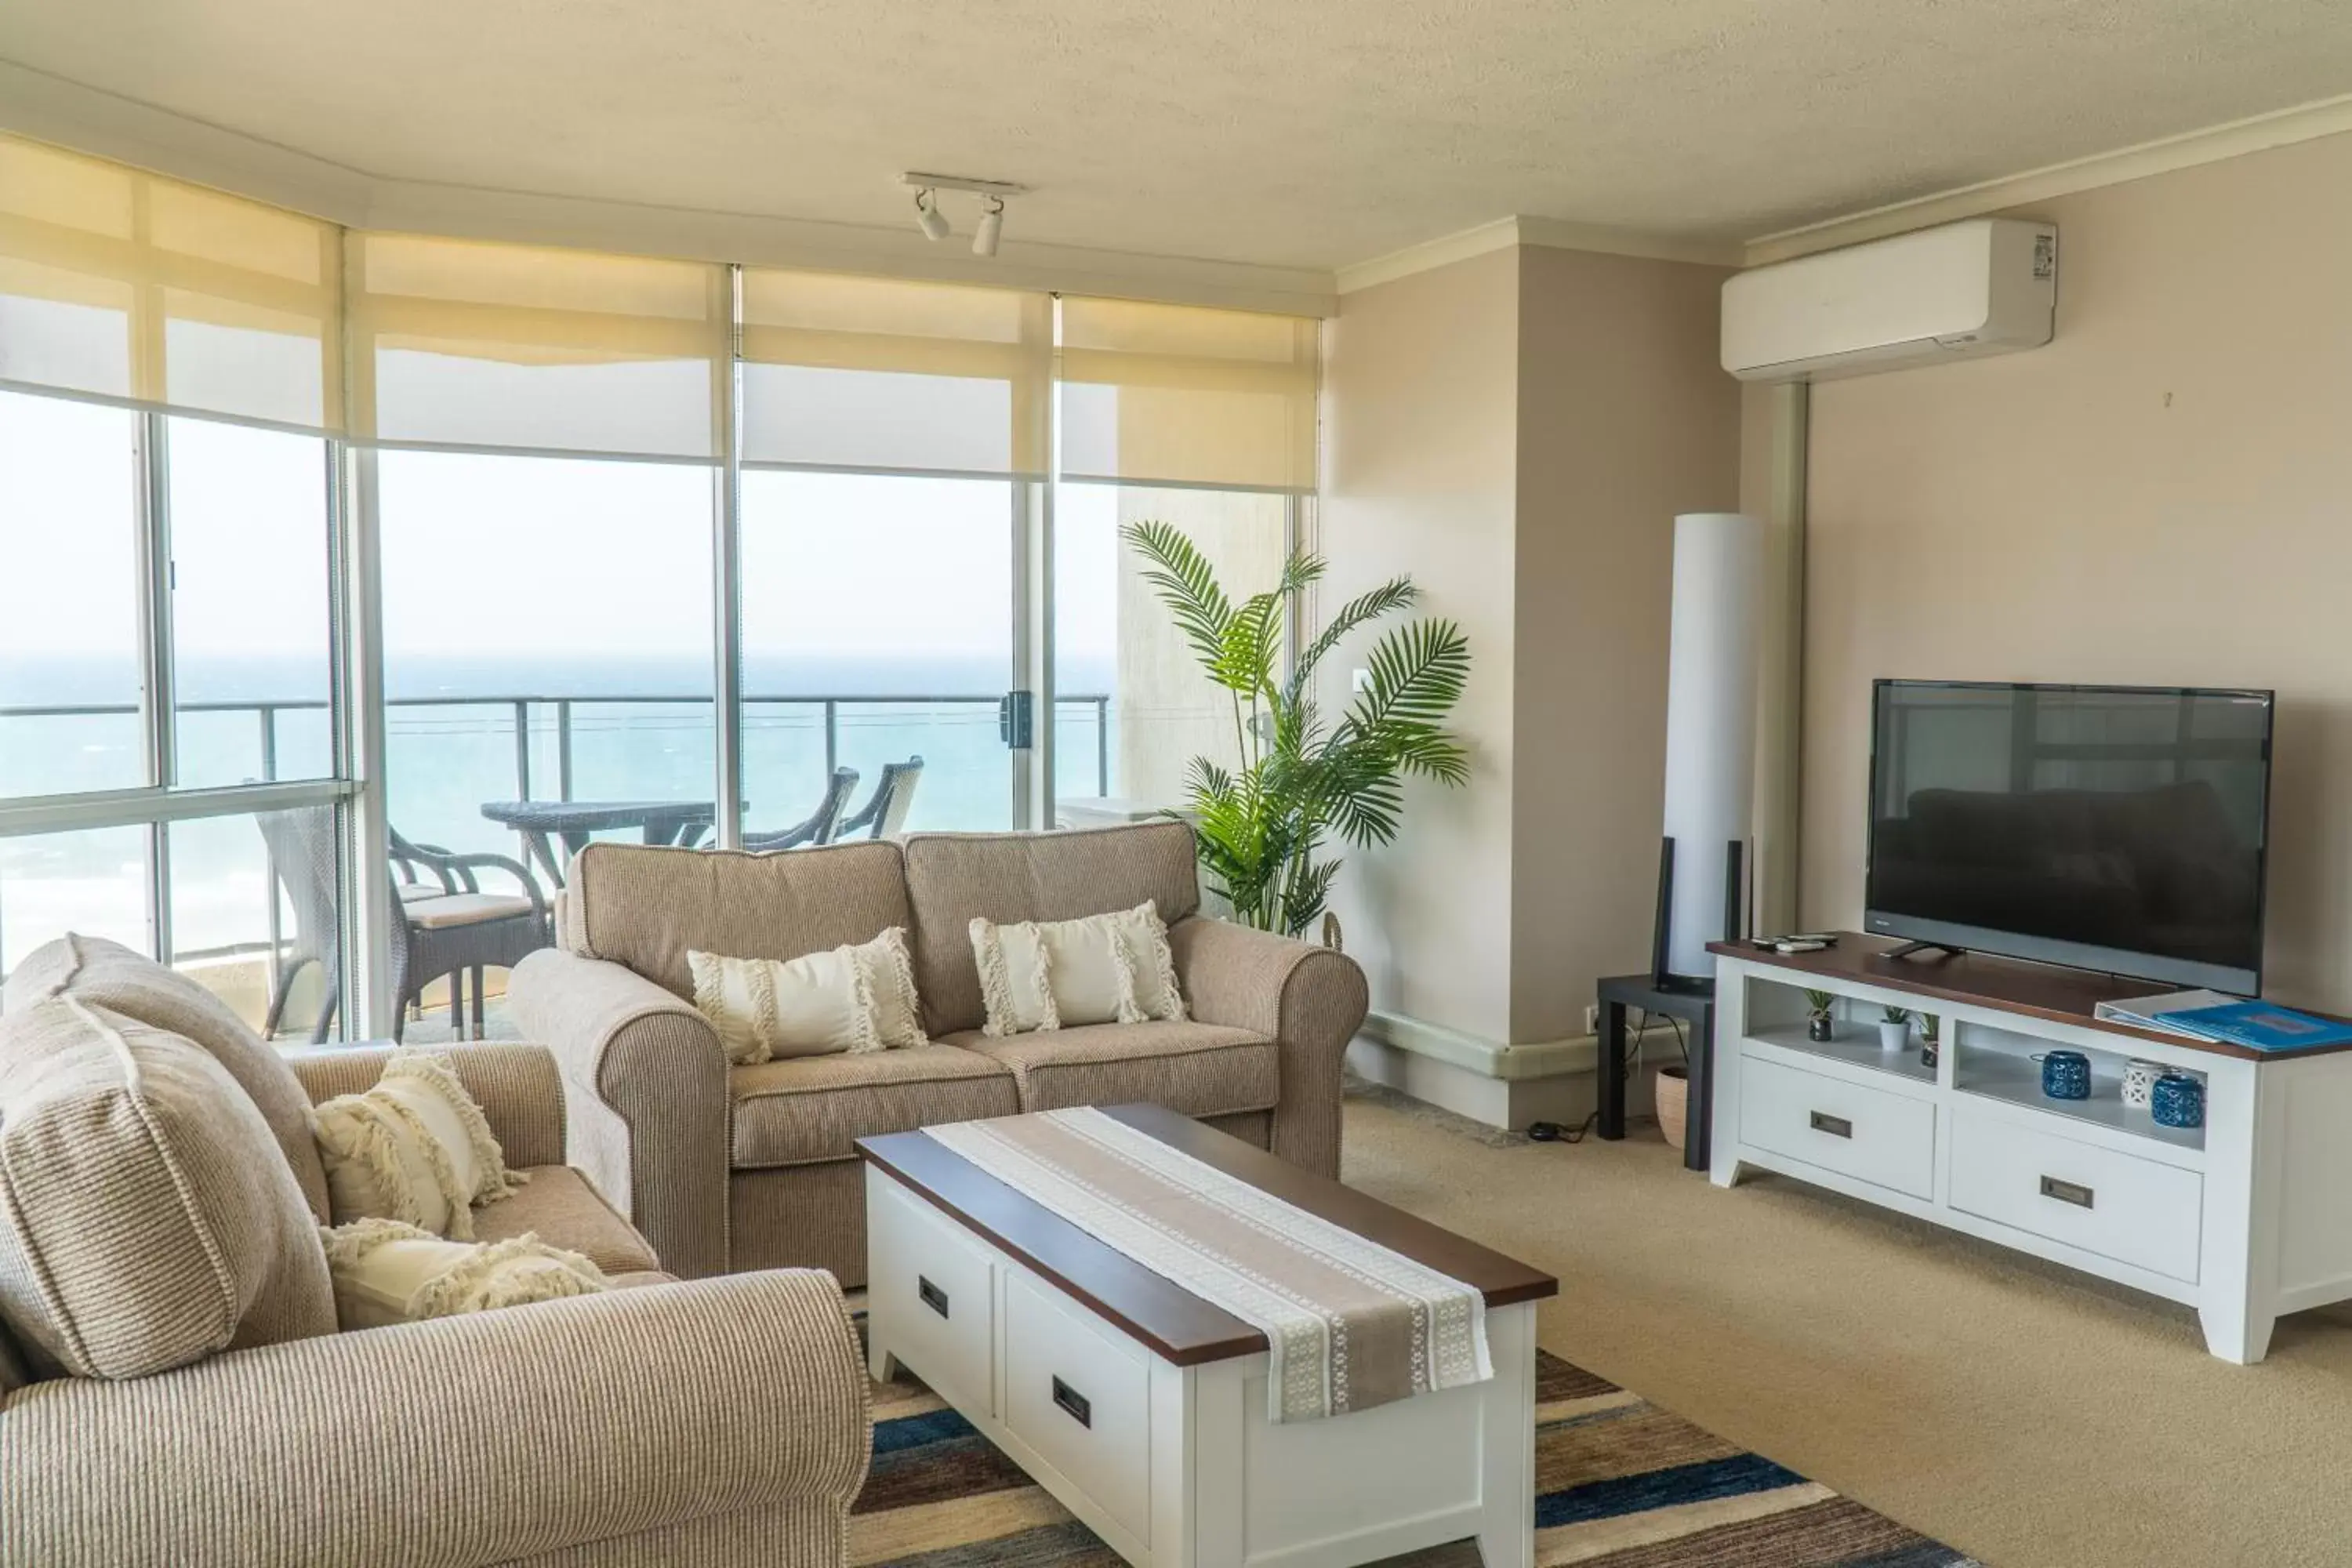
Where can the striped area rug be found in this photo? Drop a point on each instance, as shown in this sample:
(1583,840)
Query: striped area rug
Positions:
(1620,1484)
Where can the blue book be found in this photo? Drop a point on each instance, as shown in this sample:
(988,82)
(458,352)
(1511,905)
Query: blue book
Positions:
(2261,1025)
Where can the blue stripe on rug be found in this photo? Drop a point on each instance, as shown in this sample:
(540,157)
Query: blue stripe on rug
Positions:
(1735,1476)
(907,1432)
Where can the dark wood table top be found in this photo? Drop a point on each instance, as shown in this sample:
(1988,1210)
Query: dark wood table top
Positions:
(2039,989)
(1165,1317)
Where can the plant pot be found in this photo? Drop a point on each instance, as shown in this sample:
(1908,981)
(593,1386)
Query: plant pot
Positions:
(1820,1026)
(1893,1036)
(1674,1104)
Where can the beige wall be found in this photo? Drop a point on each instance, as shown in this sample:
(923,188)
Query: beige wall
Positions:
(1420,445)
(2162,495)
(1517,432)
(1626,418)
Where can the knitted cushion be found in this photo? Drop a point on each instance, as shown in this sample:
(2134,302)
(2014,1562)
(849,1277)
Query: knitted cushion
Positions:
(146,1217)
(110,976)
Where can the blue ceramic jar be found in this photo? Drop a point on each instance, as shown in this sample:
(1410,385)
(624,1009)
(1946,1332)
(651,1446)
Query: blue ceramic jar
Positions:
(2176,1100)
(2066,1075)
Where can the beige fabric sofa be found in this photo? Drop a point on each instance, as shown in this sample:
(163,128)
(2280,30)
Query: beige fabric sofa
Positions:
(718,1421)
(754,1167)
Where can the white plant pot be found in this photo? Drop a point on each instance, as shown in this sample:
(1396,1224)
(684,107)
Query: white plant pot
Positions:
(1893,1036)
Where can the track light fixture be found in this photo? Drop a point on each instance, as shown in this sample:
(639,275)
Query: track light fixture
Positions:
(928,217)
(934,223)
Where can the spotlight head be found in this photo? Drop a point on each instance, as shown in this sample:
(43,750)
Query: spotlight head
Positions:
(928,217)
(992,227)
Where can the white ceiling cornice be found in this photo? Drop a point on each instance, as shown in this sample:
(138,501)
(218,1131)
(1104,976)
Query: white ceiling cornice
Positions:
(1553,233)
(2305,122)
(69,114)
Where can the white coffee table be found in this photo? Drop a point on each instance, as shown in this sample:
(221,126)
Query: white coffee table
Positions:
(1142,1408)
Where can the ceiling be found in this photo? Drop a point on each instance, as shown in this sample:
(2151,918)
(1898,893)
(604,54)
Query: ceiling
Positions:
(1302,134)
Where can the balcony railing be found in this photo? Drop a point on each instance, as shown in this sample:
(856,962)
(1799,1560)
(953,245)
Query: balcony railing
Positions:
(267,716)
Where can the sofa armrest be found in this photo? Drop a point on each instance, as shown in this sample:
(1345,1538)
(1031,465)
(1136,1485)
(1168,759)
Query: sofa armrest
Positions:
(645,1090)
(517,1086)
(459,1441)
(1311,1000)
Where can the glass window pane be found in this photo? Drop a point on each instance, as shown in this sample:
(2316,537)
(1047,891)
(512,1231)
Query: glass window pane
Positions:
(71,676)
(251,621)
(1133,706)
(254,913)
(93,881)
(567,598)
(891,597)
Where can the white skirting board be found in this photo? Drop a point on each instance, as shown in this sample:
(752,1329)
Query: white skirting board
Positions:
(1565,1096)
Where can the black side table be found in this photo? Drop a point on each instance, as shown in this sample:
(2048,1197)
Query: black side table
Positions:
(1695,1007)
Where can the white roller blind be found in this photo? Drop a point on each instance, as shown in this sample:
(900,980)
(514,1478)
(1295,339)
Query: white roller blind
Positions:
(462,343)
(877,372)
(128,285)
(1182,395)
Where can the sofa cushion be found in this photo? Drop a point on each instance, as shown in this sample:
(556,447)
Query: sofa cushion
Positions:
(807,1109)
(1201,1069)
(150,1222)
(643,906)
(557,1205)
(1012,877)
(110,976)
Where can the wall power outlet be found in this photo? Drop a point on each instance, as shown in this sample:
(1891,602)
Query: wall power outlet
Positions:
(1593,1018)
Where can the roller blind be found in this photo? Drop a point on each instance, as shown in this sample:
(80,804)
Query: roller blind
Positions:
(872,373)
(463,342)
(127,285)
(1182,394)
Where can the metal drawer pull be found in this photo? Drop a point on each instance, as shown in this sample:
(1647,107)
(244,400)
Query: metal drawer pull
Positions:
(933,1297)
(1835,1126)
(2066,1191)
(1077,1406)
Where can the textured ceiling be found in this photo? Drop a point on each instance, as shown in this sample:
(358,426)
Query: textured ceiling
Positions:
(1299,133)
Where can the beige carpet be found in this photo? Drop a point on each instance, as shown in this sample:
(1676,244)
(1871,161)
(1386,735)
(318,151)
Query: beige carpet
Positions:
(2023,1414)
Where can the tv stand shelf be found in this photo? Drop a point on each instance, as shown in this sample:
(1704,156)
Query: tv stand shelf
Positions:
(2245,1218)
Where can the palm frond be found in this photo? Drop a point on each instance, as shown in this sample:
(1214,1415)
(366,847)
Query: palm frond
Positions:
(1397,594)
(1185,581)
(1417,673)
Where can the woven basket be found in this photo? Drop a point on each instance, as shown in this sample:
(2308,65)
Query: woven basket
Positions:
(1674,1103)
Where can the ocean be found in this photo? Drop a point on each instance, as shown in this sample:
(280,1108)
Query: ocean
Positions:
(639,729)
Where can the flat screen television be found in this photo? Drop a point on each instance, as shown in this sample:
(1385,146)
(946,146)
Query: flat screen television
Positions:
(2110,827)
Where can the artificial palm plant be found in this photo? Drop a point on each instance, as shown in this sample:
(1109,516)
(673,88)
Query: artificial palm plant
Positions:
(1262,826)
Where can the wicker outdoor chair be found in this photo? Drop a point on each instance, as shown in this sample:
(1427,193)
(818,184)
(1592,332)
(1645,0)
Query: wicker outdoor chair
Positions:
(454,931)
(885,815)
(819,828)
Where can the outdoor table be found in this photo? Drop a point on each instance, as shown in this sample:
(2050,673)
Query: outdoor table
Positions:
(680,822)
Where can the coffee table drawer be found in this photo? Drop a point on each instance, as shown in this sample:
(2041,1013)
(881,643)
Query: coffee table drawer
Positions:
(940,1280)
(1870,1134)
(2135,1211)
(1080,1397)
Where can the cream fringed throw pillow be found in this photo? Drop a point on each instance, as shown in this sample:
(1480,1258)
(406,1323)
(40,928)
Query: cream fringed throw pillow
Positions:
(1049,974)
(387,1272)
(416,1148)
(850,998)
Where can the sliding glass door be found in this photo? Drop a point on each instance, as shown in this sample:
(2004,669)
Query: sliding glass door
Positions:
(877,628)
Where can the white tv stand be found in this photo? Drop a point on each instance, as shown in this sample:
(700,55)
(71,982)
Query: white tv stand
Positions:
(2243,1219)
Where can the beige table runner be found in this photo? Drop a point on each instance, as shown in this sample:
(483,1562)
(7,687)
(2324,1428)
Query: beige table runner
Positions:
(1349,1324)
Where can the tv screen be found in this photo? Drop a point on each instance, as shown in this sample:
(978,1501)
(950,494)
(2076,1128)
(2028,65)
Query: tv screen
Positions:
(2119,828)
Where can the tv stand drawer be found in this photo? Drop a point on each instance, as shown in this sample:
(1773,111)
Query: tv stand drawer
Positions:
(1873,1135)
(2117,1205)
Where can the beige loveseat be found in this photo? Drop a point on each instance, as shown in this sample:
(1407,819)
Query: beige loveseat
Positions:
(755,1167)
(169,1397)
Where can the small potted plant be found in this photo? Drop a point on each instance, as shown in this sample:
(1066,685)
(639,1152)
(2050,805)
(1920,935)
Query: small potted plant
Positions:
(1819,1026)
(1895,1029)
(1929,1025)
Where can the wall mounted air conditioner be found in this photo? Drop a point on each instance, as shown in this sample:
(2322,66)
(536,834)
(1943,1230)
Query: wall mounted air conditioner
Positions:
(1987,286)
